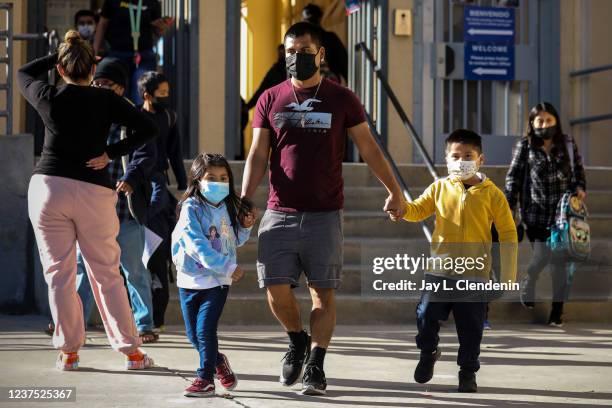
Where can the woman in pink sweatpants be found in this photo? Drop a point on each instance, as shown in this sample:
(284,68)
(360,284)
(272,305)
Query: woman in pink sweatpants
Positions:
(71,198)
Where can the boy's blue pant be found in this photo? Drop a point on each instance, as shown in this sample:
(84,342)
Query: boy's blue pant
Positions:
(469,319)
(202,309)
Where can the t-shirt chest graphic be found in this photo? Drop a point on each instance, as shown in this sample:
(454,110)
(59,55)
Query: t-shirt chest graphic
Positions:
(306,115)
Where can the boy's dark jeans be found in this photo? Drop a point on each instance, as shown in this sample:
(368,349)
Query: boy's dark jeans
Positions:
(469,319)
(202,309)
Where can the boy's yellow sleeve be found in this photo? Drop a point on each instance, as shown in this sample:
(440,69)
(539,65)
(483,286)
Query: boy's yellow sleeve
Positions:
(508,240)
(423,207)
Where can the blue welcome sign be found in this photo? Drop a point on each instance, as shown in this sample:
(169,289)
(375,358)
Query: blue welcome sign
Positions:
(489,61)
(488,24)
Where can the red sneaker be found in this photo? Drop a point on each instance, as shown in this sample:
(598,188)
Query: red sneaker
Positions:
(138,360)
(225,375)
(67,361)
(200,388)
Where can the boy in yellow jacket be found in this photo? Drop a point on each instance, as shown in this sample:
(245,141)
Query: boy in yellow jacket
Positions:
(465,203)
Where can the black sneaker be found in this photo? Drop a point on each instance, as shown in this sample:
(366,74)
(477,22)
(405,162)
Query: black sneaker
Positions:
(424,370)
(314,382)
(526,295)
(556,315)
(555,320)
(467,381)
(294,361)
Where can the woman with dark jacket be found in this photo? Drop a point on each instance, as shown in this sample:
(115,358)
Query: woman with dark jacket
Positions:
(542,169)
(71,197)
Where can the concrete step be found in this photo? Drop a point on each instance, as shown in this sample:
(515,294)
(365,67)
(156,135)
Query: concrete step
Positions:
(254,309)
(376,224)
(351,281)
(373,198)
(353,246)
(354,249)
(601,225)
(359,175)
(592,279)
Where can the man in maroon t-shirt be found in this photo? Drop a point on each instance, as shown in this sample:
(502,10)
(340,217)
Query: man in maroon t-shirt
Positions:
(300,125)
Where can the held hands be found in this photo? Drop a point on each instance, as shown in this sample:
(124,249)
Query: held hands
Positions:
(248,220)
(248,213)
(395,207)
(237,274)
(98,163)
(124,187)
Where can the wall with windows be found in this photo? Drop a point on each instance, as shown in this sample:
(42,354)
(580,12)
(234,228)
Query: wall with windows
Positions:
(585,42)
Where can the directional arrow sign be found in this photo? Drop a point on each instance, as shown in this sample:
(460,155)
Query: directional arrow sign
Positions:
(478,32)
(490,71)
(486,61)
(488,24)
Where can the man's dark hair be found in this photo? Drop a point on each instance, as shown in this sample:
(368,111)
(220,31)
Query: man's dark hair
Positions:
(303,28)
(465,136)
(312,13)
(83,13)
(149,82)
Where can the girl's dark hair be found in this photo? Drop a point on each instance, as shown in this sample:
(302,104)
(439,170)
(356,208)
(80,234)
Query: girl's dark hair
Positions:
(236,207)
(149,82)
(76,56)
(559,145)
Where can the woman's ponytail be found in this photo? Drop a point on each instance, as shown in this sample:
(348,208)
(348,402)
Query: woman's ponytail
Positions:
(76,56)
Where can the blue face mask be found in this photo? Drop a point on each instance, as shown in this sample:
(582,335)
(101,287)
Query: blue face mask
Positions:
(214,191)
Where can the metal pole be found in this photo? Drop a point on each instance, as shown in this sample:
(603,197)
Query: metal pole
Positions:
(587,71)
(590,119)
(506,108)
(400,111)
(9,69)
(396,172)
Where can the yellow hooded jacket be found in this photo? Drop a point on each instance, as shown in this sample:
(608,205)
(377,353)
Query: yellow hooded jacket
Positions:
(463,223)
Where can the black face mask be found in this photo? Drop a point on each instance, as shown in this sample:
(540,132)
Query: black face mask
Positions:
(545,133)
(301,65)
(161,103)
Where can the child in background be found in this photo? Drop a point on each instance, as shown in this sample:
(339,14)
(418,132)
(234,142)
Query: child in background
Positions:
(465,203)
(154,89)
(204,274)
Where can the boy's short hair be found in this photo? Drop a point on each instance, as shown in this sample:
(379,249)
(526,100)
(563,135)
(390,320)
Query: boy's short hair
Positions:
(84,13)
(303,28)
(464,136)
(149,82)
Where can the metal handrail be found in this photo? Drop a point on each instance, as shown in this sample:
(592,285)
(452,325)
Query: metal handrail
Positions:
(588,71)
(398,108)
(590,119)
(396,172)
(594,118)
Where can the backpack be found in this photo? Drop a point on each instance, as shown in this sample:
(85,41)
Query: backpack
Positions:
(570,232)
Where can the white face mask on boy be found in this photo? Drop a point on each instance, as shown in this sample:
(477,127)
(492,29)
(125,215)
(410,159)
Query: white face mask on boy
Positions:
(462,169)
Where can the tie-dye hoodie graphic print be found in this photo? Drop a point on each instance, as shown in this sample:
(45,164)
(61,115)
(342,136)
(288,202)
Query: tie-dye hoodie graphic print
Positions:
(204,245)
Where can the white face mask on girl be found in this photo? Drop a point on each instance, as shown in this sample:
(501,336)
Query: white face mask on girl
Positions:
(462,169)
(86,30)
(213,191)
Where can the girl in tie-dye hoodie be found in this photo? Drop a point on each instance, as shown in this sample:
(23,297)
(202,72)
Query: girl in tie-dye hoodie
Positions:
(204,271)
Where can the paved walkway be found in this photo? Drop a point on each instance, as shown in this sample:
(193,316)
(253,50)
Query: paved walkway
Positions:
(370,366)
